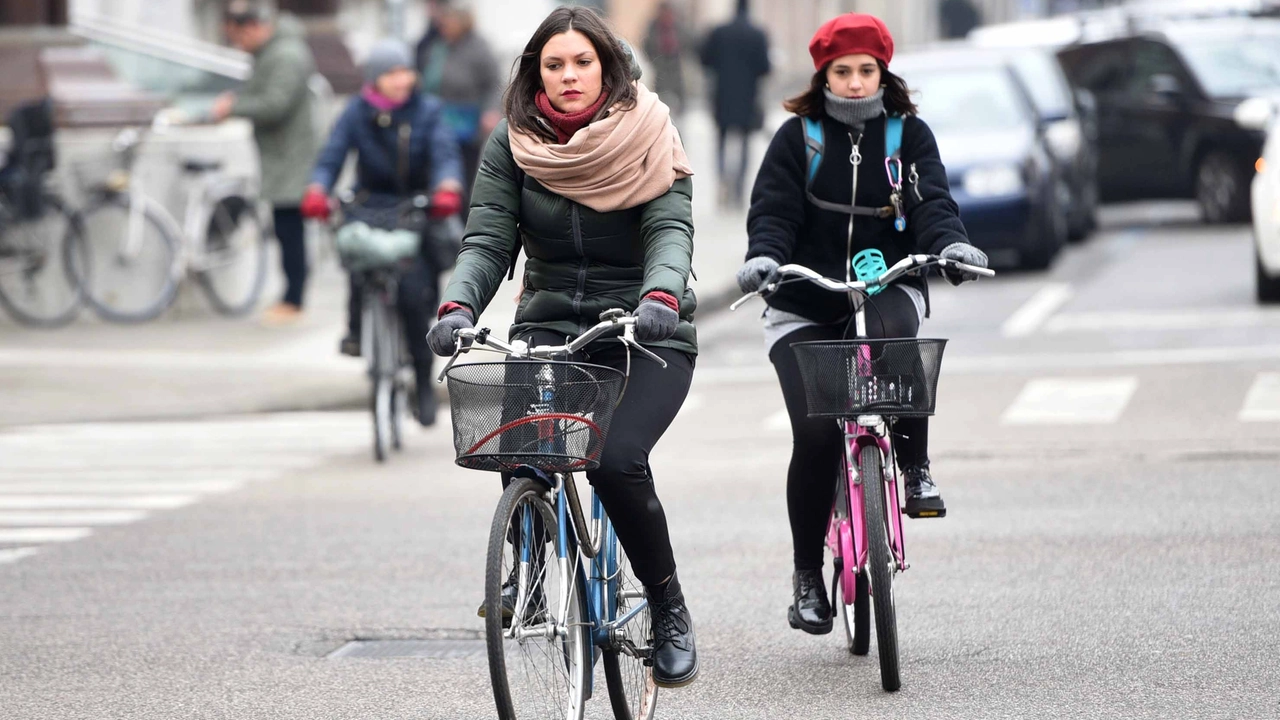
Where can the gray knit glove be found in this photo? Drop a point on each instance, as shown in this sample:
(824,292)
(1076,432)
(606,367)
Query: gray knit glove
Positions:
(440,339)
(756,273)
(655,321)
(965,253)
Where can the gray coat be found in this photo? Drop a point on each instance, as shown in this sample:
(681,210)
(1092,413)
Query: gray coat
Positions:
(276,99)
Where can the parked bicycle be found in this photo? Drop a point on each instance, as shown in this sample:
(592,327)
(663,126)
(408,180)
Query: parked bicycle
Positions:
(35,226)
(135,254)
(542,417)
(865,385)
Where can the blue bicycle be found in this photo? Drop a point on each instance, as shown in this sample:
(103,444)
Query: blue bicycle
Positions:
(559,593)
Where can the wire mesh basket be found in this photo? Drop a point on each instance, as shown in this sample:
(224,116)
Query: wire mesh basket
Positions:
(843,378)
(553,416)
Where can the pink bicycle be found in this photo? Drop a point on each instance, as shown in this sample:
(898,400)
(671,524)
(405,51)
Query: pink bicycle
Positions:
(864,385)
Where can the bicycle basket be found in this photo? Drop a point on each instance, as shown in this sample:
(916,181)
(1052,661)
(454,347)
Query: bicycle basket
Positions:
(843,378)
(553,416)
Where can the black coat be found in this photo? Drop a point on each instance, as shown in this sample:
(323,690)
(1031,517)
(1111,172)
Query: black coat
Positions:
(783,225)
(738,55)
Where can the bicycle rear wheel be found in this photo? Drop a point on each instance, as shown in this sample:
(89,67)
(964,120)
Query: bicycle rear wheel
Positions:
(375,329)
(233,267)
(632,692)
(126,261)
(880,565)
(36,285)
(539,649)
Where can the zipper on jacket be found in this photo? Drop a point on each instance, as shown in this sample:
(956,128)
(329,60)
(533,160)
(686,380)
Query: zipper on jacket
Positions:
(582,266)
(855,159)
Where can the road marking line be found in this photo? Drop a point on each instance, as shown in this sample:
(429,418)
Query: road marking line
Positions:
(1036,310)
(12,555)
(81,517)
(103,502)
(778,421)
(1262,403)
(44,534)
(1071,401)
(124,488)
(137,475)
(1112,321)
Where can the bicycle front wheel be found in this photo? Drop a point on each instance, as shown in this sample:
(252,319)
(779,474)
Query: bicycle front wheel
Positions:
(376,329)
(632,691)
(880,565)
(126,261)
(36,285)
(535,615)
(233,265)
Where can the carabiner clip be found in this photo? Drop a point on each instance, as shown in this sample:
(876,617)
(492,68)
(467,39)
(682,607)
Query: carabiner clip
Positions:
(895,178)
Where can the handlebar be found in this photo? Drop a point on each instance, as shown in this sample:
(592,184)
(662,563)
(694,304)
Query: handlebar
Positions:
(906,266)
(471,338)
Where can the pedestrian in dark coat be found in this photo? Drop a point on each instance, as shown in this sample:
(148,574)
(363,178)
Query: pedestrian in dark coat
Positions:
(736,54)
(814,224)
(666,45)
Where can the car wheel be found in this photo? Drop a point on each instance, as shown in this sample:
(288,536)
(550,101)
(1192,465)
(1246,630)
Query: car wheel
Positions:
(1268,286)
(1084,216)
(1050,236)
(1222,190)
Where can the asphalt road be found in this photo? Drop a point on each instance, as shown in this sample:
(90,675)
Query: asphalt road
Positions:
(1108,440)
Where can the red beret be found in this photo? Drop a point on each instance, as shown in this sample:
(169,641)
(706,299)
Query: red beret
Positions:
(851,34)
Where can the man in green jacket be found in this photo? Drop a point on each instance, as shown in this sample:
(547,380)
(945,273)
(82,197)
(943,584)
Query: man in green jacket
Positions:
(277,100)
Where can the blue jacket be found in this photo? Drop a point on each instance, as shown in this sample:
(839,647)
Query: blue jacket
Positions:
(375,136)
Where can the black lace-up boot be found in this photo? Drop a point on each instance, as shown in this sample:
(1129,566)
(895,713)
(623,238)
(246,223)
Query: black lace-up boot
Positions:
(675,659)
(811,610)
(923,498)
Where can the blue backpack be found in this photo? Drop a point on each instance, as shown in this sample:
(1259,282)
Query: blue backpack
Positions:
(813,157)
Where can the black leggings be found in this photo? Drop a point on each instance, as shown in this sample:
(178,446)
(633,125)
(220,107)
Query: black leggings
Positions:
(817,445)
(624,482)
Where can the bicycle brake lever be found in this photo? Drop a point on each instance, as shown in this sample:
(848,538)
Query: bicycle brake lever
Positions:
(647,352)
(463,346)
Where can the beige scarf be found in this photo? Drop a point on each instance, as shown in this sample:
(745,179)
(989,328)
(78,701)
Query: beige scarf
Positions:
(618,162)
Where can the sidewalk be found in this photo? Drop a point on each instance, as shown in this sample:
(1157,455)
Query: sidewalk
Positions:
(192,362)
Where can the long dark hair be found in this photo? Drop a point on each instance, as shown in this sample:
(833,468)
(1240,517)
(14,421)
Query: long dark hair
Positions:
(615,66)
(812,102)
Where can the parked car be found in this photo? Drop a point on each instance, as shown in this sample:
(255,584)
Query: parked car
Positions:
(993,142)
(1070,120)
(1166,101)
(1266,201)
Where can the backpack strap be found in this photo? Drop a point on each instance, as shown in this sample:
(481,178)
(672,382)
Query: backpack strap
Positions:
(893,143)
(813,147)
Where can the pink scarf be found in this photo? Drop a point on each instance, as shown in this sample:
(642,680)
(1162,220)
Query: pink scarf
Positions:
(380,101)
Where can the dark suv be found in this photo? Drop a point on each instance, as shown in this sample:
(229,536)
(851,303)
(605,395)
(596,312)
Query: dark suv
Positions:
(1166,100)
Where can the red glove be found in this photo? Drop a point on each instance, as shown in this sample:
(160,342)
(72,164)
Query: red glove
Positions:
(315,205)
(445,203)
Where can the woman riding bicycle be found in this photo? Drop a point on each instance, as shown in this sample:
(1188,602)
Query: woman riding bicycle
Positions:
(402,149)
(589,175)
(802,212)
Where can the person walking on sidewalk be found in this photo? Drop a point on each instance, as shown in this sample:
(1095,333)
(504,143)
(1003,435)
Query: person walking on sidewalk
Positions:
(666,44)
(804,210)
(737,54)
(277,100)
(458,67)
(403,148)
(591,178)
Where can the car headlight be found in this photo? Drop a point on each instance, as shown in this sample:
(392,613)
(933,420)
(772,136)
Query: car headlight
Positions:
(993,180)
(1255,113)
(1064,139)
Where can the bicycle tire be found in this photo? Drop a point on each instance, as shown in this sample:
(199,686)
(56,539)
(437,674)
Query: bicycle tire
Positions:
(632,692)
(102,297)
(879,565)
(857,617)
(228,219)
(574,652)
(379,383)
(393,359)
(58,311)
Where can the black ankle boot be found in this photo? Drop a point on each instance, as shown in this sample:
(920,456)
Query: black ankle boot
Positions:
(675,659)
(510,590)
(923,498)
(811,610)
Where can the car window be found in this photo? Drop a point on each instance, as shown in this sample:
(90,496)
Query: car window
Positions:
(1042,76)
(961,100)
(1149,60)
(1103,69)
(1235,68)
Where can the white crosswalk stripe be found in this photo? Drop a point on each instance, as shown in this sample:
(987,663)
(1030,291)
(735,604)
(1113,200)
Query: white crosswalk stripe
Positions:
(1071,401)
(60,482)
(1262,404)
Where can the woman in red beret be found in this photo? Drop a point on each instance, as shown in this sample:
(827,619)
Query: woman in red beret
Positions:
(822,214)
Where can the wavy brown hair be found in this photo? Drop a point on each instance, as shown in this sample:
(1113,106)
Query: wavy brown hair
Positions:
(615,66)
(812,102)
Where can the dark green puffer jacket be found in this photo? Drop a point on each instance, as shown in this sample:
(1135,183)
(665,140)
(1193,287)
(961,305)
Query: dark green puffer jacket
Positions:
(580,262)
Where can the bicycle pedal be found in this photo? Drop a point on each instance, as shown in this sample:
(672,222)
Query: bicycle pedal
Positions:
(925,514)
